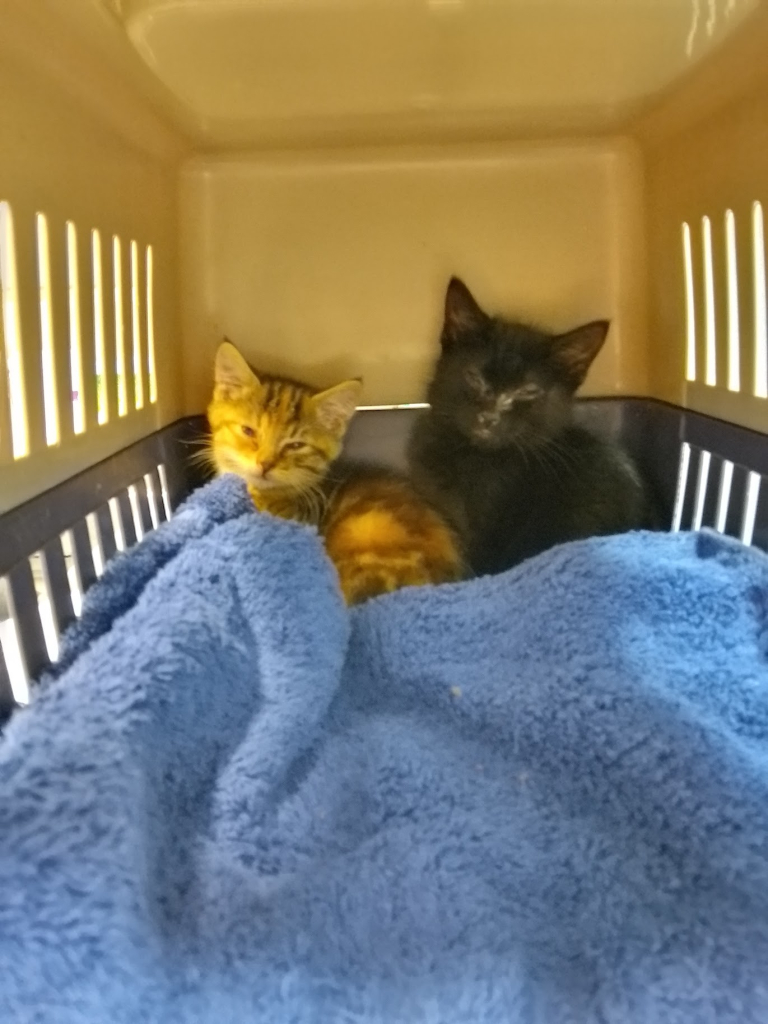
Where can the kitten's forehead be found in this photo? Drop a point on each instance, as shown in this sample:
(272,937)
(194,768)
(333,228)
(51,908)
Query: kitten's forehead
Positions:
(502,366)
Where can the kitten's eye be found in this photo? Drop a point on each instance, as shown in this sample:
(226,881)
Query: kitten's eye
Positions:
(474,378)
(248,431)
(529,392)
(293,446)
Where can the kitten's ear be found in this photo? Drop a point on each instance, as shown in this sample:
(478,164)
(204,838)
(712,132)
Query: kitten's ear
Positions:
(575,351)
(335,407)
(462,313)
(230,370)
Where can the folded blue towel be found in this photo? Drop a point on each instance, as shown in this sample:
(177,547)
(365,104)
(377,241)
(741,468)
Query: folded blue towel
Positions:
(540,797)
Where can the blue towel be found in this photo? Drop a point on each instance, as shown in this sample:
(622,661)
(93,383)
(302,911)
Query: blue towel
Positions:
(540,797)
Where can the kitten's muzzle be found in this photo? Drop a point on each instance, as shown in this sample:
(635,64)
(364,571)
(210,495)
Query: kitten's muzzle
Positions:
(486,424)
(257,474)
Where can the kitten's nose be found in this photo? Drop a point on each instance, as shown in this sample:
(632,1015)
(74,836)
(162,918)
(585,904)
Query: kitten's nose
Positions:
(263,467)
(487,420)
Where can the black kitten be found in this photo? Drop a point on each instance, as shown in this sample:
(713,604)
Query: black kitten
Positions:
(498,452)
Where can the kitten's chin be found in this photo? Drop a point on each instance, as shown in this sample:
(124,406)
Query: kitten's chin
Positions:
(492,441)
(258,483)
(488,439)
(271,485)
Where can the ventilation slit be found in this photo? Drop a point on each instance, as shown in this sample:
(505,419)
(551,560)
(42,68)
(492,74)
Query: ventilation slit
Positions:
(75,341)
(164,489)
(133,498)
(709,304)
(734,381)
(760,311)
(151,365)
(73,572)
(705,460)
(46,332)
(138,369)
(11,647)
(45,605)
(122,384)
(154,513)
(12,339)
(94,537)
(117,524)
(690,308)
(102,396)
(682,484)
(750,507)
(724,495)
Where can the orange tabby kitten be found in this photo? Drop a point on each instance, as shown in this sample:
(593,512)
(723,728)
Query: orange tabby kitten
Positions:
(281,437)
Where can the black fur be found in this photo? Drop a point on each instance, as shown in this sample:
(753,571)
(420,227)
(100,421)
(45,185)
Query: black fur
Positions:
(498,452)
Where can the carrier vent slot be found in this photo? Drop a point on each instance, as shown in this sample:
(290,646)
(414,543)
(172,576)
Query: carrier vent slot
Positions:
(14,433)
(726,316)
(72,566)
(705,460)
(682,486)
(77,349)
(26,614)
(47,353)
(120,362)
(152,484)
(690,306)
(103,367)
(751,497)
(42,595)
(75,332)
(14,680)
(95,542)
(724,495)
(150,305)
(164,489)
(760,309)
(138,362)
(45,608)
(57,584)
(142,520)
(118,525)
(710,324)
(734,341)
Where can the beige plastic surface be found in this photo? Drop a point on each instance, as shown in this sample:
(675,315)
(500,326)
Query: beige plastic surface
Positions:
(308,173)
(335,266)
(98,159)
(277,72)
(706,153)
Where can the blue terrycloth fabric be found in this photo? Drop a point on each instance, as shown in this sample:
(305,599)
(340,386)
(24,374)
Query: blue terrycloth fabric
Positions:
(541,797)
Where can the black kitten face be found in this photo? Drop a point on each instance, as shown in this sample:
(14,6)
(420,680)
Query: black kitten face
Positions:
(504,384)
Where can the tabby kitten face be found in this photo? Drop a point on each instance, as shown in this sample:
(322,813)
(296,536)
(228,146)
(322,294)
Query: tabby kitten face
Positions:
(501,383)
(276,434)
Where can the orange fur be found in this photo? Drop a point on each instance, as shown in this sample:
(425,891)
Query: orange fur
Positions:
(381,537)
(281,437)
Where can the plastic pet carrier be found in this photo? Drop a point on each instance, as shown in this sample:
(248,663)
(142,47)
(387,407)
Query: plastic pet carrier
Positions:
(304,179)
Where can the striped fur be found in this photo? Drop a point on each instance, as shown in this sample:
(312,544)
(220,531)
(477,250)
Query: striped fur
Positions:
(279,435)
(381,536)
(282,437)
